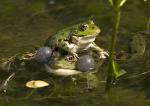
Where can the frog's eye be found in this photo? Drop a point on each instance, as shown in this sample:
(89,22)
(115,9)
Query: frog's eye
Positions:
(83,27)
(69,58)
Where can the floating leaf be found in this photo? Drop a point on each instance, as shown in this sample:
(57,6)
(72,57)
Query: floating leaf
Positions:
(117,71)
(36,84)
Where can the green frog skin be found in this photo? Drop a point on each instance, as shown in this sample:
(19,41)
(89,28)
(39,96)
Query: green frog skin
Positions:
(76,39)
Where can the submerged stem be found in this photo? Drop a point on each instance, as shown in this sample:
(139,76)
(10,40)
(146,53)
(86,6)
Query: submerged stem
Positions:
(112,49)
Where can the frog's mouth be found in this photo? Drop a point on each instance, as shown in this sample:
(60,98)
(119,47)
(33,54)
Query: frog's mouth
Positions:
(85,39)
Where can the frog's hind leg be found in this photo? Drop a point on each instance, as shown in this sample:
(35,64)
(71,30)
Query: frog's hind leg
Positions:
(4,85)
(5,66)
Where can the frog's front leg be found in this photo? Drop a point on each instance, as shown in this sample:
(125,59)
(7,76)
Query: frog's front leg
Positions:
(101,52)
(70,48)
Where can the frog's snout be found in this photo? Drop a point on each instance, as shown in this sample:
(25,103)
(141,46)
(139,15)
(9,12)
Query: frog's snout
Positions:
(98,31)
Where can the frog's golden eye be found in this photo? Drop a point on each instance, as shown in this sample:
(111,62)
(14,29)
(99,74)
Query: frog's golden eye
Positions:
(83,27)
(70,58)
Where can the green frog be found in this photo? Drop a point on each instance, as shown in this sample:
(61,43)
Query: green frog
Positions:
(76,39)
(66,66)
(137,45)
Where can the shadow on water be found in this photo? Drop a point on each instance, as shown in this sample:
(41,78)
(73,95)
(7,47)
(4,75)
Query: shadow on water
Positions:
(26,24)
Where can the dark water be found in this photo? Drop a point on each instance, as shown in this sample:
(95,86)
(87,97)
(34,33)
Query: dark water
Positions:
(25,24)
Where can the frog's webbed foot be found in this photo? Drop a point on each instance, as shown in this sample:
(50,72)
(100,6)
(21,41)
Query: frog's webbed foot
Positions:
(103,54)
(75,55)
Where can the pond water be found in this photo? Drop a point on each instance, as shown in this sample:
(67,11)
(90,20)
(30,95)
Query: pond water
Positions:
(26,24)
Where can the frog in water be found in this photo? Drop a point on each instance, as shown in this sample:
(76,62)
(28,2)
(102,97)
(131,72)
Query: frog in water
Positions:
(62,65)
(77,38)
(67,66)
(137,45)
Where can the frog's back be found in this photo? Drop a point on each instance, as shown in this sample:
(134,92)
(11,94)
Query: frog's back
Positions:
(56,39)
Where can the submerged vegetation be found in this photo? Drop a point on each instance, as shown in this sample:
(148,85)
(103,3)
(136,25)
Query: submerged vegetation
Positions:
(114,70)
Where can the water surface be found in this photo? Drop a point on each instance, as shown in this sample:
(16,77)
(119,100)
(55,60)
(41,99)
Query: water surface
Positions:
(26,24)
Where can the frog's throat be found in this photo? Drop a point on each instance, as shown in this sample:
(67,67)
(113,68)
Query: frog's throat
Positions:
(83,40)
(61,72)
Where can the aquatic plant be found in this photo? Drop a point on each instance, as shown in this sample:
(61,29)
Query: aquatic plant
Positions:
(114,71)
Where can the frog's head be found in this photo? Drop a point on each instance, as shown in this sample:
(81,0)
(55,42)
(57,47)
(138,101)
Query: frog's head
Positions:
(86,31)
(63,62)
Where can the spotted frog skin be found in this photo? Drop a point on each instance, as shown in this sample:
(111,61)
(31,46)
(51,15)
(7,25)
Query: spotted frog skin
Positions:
(75,39)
